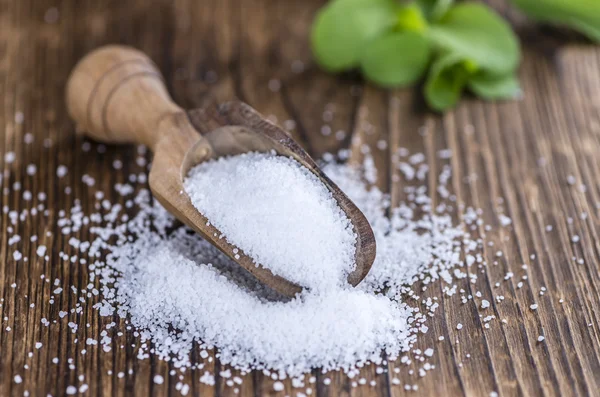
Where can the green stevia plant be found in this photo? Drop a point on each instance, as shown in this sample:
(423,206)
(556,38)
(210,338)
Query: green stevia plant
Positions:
(454,46)
(581,15)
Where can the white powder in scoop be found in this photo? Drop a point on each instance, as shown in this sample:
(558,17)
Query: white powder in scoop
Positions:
(278,213)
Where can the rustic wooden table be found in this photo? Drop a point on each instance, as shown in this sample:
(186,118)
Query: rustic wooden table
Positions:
(528,152)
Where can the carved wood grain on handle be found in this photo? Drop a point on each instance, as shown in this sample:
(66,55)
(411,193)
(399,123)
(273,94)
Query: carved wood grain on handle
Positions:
(117,95)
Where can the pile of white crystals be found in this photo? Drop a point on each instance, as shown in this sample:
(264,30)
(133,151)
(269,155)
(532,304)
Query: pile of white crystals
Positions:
(178,290)
(184,282)
(180,295)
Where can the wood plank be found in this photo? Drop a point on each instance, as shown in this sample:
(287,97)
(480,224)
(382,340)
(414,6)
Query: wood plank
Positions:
(523,152)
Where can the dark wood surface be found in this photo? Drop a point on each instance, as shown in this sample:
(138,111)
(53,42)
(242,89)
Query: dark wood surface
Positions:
(515,158)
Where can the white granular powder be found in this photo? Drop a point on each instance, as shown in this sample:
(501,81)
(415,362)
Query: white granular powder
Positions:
(177,289)
(170,282)
(279,214)
(180,295)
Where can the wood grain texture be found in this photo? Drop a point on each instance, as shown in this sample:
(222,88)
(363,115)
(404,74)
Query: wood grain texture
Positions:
(514,158)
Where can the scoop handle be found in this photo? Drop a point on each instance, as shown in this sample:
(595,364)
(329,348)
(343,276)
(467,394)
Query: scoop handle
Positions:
(116,95)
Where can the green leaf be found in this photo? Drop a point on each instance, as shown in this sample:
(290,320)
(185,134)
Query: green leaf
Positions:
(446,80)
(434,9)
(582,15)
(343,28)
(396,58)
(591,28)
(495,87)
(410,18)
(473,31)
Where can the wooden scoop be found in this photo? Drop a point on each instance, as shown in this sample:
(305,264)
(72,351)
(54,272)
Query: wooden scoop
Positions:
(117,95)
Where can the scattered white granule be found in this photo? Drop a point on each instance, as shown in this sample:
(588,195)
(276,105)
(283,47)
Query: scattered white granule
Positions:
(184,390)
(408,171)
(533,306)
(71,390)
(18,379)
(9,157)
(159,380)
(88,180)
(278,386)
(207,379)
(124,189)
(274,85)
(61,171)
(504,220)
(459,326)
(19,117)
(444,154)
(254,198)
(540,338)
(38,345)
(485,304)
(428,352)
(41,251)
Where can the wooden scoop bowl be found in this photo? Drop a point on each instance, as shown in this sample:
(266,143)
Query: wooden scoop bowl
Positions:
(117,95)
